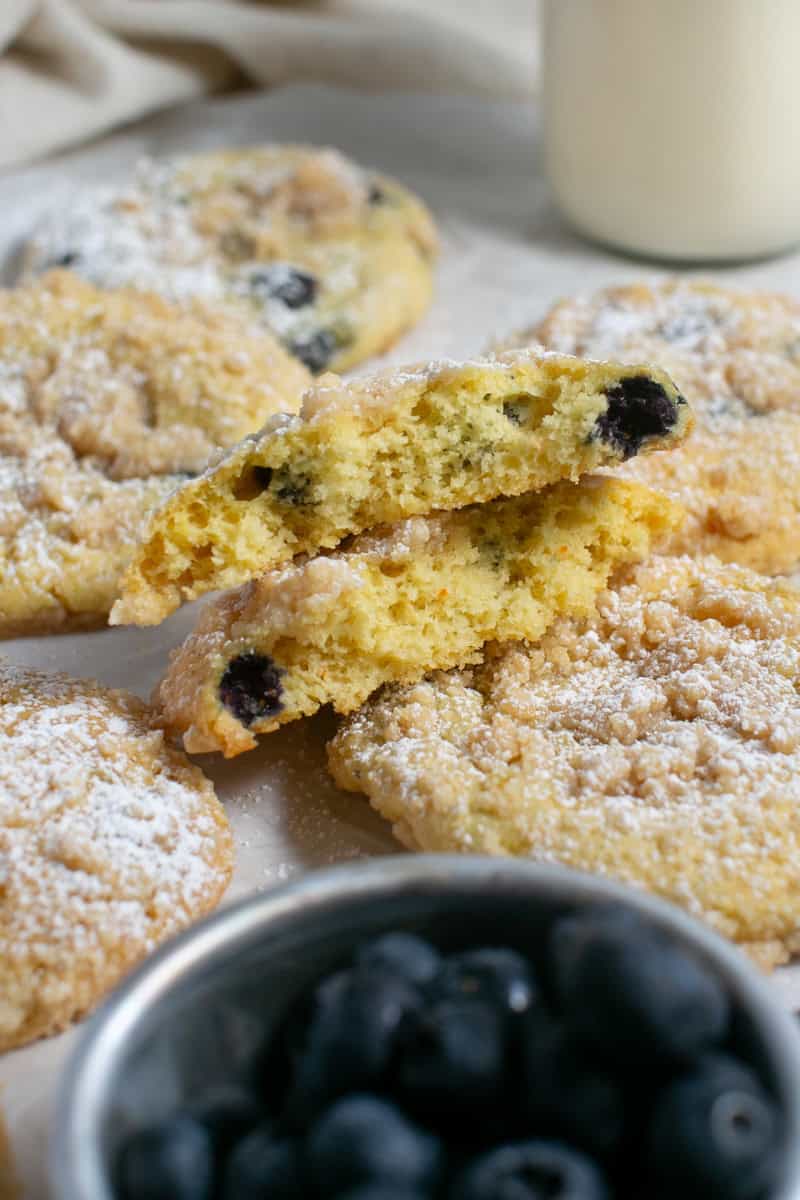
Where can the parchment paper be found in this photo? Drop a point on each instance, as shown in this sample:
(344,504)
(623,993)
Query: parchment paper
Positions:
(506,258)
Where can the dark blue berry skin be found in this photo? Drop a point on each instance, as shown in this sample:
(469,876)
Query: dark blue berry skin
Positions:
(261,1166)
(294,288)
(727,1071)
(451,1062)
(67,259)
(383,1191)
(638,409)
(251,687)
(403,954)
(567,1094)
(535,1170)
(228,1113)
(316,350)
(497,975)
(173,1160)
(711,1135)
(274,1066)
(362,1139)
(632,994)
(352,1037)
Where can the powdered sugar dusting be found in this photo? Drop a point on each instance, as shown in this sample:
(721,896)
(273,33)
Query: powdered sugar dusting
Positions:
(106,400)
(736,357)
(109,842)
(734,354)
(234,228)
(659,742)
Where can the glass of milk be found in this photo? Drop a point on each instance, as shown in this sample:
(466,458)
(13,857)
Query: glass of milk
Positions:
(672,127)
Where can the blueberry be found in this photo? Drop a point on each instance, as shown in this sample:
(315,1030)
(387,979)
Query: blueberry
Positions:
(498,975)
(363,1139)
(316,350)
(276,1063)
(451,1060)
(227,1112)
(68,259)
(712,1135)
(383,1191)
(294,288)
(357,1019)
(376,195)
(402,954)
(261,1167)
(638,409)
(631,993)
(728,1071)
(251,687)
(566,1094)
(170,1161)
(531,1171)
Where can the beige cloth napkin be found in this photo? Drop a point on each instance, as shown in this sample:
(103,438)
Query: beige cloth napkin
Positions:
(70,69)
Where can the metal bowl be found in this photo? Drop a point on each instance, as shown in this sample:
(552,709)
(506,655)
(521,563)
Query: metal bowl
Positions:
(195,1013)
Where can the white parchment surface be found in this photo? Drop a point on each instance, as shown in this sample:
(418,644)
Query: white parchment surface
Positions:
(506,257)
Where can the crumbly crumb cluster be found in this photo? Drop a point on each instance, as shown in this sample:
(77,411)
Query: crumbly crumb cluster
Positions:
(736,356)
(658,742)
(110,841)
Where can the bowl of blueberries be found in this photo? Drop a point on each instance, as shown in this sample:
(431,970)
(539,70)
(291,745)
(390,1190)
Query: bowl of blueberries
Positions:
(433,1027)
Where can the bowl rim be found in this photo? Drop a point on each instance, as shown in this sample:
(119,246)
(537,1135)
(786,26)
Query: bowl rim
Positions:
(75,1161)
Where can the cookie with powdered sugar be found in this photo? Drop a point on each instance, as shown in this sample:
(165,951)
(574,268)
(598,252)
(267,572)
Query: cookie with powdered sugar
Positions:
(110,842)
(109,400)
(657,742)
(333,259)
(736,357)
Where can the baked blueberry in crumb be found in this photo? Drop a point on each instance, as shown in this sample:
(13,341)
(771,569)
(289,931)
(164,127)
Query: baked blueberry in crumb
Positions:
(376,195)
(315,351)
(251,687)
(295,289)
(68,259)
(638,409)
